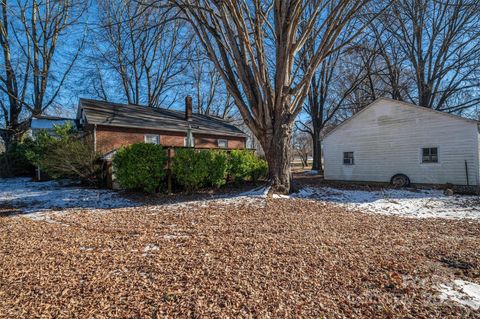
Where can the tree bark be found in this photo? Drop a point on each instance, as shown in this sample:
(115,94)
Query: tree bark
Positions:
(278,154)
(317,151)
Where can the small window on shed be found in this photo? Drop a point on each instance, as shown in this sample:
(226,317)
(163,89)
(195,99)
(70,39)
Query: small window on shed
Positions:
(222,143)
(348,158)
(430,155)
(152,139)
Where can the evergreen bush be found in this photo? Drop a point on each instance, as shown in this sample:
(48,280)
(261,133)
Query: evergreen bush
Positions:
(140,166)
(244,165)
(190,168)
(64,155)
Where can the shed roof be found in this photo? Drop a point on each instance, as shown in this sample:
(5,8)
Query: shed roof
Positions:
(136,116)
(402,104)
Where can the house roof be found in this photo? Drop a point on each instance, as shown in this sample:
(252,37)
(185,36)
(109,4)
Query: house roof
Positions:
(404,104)
(136,116)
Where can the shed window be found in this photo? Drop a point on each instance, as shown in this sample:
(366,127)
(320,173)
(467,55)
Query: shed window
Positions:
(430,155)
(152,139)
(222,143)
(348,158)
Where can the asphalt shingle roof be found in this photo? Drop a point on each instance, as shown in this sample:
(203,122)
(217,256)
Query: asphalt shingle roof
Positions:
(136,116)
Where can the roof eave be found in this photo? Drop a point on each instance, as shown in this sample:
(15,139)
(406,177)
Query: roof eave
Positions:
(215,133)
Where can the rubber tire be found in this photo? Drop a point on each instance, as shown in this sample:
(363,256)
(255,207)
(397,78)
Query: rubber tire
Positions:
(400,180)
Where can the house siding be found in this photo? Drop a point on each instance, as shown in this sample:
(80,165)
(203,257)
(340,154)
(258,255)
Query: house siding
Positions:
(387,139)
(109,138)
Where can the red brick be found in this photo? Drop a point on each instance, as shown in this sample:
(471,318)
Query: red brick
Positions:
(109,138)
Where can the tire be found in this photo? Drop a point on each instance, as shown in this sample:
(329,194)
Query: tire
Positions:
(400,180)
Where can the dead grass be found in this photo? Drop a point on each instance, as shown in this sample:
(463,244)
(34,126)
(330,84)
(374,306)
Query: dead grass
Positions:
(290,259)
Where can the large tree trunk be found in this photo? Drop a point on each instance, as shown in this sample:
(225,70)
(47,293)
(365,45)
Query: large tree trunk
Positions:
(317,151)
(278,154)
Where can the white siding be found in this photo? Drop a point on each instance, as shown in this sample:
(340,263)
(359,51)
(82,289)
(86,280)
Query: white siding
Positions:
(478,157)
(387,139)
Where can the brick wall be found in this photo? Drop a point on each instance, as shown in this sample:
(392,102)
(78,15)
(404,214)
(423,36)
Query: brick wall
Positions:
(109,138)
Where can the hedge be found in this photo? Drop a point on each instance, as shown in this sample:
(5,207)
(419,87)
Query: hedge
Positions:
(140,166)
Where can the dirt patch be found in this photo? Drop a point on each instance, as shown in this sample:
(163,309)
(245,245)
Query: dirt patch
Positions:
(291,259)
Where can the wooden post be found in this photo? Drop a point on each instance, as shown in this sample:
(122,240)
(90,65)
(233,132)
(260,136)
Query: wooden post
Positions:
(169,170)
(466,173)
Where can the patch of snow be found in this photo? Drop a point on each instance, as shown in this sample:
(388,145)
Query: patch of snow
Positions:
(311,172)
(38,197)
(151,247)
(281,196)
(463,292)
(409,203)
(174,236)
(256,192)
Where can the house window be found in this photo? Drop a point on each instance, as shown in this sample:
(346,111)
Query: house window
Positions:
(348,158)
(152,139)
(430,155)
(222,143)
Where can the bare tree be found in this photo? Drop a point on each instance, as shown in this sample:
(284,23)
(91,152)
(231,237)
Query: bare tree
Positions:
(212,97)
(440,40)
(144,47)
(302,146)
(332,84)
(32,74)
(257,48)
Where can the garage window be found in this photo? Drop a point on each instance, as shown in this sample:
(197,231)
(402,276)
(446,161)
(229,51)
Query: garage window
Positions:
(430,155)
(152,139)
(348,158)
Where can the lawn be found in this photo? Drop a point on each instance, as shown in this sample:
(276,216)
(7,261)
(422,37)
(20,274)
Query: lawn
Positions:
(236,258)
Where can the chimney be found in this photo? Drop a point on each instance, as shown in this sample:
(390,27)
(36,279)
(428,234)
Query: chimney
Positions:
(188,108)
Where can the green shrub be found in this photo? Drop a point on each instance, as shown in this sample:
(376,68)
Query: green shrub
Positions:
(64,155)
(14,161)
(239,165)
(218,165)
(140,166)
(244,165)
(194,169)
(73,159)
(259,169)
(190,168)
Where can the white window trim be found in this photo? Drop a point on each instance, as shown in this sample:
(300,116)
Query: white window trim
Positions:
(151,135)
(222,140)
(353,158)
(430,163)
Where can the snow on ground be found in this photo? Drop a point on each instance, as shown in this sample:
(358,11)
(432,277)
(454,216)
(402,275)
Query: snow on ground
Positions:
(463,292)
(409,203)
(42,197)
(36,197)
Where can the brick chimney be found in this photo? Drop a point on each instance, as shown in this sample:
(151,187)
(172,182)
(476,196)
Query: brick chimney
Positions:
(188,108)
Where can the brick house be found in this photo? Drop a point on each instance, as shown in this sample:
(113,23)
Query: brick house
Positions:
(112,125)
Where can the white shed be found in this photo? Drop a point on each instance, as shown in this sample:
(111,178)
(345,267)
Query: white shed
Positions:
(388,138)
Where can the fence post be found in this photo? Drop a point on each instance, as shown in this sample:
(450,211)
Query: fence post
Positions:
(169,170)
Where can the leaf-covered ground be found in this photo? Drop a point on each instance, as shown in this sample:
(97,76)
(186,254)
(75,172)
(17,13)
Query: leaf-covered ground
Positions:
(233,259)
